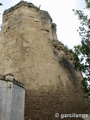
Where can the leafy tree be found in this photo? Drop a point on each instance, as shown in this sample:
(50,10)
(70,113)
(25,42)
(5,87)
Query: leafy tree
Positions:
(1,4)
(82,51)
(87,4)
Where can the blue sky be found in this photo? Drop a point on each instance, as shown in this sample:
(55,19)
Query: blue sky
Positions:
(62,15)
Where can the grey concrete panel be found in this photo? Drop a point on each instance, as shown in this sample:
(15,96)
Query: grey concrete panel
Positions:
(12,98)
(2,98)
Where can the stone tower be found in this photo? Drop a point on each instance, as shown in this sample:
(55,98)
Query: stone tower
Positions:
(29,49)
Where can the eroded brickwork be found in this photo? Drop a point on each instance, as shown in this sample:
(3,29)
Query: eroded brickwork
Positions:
(42,105)
(29,49)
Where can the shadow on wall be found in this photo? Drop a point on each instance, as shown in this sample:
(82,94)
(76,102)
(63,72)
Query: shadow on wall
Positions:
(68,67)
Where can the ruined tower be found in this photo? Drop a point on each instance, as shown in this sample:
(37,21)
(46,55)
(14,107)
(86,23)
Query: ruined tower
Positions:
(29,49)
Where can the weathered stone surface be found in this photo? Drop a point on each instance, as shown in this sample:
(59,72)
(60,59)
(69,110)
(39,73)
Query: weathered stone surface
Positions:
(30,51)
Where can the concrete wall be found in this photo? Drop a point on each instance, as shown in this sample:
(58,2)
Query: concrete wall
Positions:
(12,98)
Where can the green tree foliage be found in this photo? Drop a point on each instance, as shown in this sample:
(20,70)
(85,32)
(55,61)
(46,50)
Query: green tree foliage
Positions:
(87,4)
(1,4)
(82,51)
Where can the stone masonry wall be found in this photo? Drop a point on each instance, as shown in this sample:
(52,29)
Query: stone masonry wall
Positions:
(29,49)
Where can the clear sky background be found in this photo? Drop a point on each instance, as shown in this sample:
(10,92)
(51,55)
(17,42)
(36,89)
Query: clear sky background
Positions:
(61,13)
